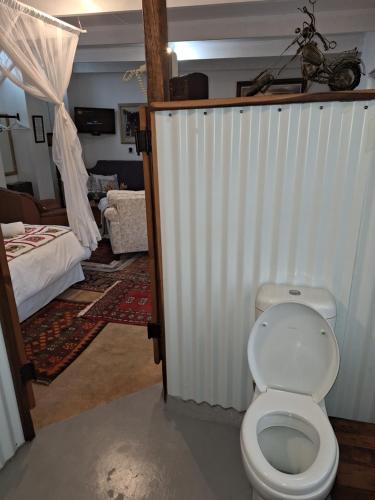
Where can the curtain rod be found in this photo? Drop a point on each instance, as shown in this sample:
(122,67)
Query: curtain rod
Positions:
(27,9)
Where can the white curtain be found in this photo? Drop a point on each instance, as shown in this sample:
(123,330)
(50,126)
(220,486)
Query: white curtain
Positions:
(37,53)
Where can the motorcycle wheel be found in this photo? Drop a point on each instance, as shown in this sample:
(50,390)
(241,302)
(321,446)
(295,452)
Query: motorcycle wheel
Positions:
(345,76)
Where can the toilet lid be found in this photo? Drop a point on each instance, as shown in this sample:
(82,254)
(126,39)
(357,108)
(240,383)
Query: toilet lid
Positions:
(293,348)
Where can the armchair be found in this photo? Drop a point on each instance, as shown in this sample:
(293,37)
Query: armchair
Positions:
(15,206)
(126,220)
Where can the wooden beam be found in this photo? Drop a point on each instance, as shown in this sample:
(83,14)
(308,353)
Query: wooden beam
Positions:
(158,69)
(156,43)
(14,345)
(261,100)
(151,233)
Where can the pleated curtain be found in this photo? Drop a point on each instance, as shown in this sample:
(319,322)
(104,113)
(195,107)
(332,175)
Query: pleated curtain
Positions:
(37,53)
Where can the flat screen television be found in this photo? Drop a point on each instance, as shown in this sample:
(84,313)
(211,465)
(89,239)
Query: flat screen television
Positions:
(95,121)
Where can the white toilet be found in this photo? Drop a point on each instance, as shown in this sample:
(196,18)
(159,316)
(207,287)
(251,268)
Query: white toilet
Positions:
(288,446)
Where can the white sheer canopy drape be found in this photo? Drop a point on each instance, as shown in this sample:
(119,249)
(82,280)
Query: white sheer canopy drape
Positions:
(37,53)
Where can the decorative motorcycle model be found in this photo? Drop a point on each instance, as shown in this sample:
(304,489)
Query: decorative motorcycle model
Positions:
(341,72)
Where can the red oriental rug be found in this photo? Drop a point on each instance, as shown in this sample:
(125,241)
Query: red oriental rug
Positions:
(55,336)
(137,270)
(127,301)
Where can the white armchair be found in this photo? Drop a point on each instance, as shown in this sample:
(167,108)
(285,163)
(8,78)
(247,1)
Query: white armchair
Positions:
(126,220)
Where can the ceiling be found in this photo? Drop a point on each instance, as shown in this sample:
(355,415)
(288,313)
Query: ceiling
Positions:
(214,30)
(226,10)
(205,8)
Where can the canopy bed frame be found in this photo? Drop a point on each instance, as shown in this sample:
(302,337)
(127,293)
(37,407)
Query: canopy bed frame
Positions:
(36,54)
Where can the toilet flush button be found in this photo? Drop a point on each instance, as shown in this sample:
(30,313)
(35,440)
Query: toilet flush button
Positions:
(294,291)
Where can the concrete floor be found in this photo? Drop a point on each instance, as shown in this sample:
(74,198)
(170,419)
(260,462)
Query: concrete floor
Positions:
(134,448)
(118,362)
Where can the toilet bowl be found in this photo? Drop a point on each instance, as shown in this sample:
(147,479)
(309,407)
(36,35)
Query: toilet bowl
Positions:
(288,446)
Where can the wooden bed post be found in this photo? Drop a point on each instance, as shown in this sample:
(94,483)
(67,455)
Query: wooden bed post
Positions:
(158,67)
(14,346)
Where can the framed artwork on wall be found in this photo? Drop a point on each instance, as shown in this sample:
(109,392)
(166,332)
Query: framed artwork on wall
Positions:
(278,86)
(129,122)
(38,126)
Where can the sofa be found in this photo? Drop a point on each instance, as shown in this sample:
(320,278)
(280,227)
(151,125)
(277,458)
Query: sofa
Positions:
(22,207)
(126,221)
(129,173)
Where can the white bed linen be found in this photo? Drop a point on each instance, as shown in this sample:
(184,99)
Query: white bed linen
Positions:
(39,268)
(43,297)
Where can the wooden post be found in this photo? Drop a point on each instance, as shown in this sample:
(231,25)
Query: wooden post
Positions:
(14,345)
(156,43)
(158,69)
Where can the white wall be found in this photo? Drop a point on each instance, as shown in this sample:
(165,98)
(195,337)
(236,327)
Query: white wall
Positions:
(12,101)
(224,83)
(368,56)
(265,196)
(33,160)
(39,160)
(103,90)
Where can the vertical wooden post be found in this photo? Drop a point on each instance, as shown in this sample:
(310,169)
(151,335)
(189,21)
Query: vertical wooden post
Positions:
(14,344)
(158,68)
(156,42)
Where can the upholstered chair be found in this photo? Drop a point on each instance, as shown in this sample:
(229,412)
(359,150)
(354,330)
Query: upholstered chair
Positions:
(126,220)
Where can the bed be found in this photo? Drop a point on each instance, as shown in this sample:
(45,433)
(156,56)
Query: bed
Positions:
(43,263)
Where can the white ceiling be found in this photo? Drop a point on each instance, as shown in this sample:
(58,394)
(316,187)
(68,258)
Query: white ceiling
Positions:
(221,10)
(212,7)
(205,30)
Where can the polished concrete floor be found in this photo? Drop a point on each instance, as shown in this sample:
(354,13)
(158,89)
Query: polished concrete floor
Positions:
(118,362)
(136,447)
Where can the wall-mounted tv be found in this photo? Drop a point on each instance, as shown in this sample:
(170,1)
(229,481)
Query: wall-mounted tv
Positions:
(95,121)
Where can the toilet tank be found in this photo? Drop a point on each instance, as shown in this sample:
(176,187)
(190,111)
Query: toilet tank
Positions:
(319,299)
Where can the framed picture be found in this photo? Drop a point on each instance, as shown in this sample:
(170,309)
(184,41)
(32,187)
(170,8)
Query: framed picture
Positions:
(129,122)
(38,127)
(278,86)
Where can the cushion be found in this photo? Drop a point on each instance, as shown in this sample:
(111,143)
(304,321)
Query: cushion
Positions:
(128,172)
(101,183)
(91,185)
(12,229)
(108,182)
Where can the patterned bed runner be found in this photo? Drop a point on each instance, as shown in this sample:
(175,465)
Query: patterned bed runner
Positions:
(34,237)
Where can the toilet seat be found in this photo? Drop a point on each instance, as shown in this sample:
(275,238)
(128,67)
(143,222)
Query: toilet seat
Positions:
(293,348)
(285,404)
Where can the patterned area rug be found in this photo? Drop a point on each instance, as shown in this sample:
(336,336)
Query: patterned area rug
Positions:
(128,296)
(99,281)
(126,302)
(103,259)
(95,281)
(55,336)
